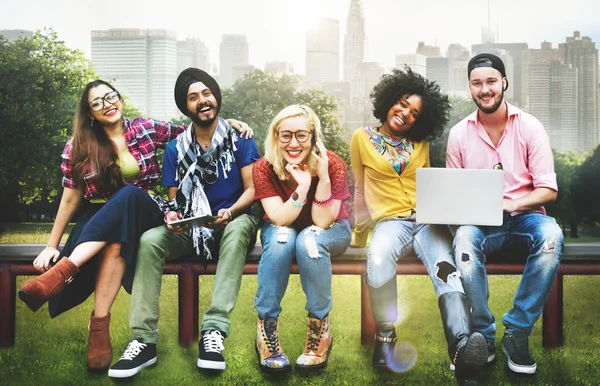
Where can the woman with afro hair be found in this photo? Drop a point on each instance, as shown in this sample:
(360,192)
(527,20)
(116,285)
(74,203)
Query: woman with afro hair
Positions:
(385,158)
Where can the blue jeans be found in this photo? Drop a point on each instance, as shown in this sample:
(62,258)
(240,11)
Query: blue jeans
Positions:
(532,234)
(312,248)
(398,237)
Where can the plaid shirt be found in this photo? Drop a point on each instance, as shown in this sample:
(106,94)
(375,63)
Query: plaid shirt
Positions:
(143,137)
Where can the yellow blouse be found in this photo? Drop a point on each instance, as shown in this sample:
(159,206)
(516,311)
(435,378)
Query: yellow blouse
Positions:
(380,192)
(130,170)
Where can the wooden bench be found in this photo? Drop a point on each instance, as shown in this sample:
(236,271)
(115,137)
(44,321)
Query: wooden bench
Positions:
(578,259)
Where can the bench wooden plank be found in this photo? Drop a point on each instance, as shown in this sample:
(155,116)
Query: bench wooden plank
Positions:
(578,259)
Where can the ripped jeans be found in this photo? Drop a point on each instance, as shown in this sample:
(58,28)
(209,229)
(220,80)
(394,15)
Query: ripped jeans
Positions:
(395,238)
(529,234)
(312,248)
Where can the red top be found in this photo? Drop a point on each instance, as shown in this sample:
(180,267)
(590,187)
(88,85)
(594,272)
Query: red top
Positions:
(267,184)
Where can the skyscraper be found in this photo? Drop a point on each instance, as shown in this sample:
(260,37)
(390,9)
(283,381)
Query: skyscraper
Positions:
(14,34)
(429,51)
(192,53)
(233,58)
(140,64)
(354,41)
(581,53)
(278,67)
(323,52)
(553,100)
(416,62)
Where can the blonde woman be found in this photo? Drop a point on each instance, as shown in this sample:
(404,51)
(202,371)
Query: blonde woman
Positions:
(302,188)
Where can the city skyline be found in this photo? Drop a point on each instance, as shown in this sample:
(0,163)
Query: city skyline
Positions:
(276,30)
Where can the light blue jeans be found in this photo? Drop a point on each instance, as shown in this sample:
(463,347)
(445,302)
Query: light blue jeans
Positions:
(396,238)
(530,234)
(312,248)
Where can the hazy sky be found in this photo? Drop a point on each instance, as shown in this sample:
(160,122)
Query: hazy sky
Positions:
(276,28)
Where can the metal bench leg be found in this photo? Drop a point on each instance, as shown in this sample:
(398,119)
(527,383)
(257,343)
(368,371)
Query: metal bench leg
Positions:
(8,294)
(552,318)
(188,307)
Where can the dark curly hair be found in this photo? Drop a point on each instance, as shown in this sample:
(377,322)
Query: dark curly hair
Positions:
(436,107)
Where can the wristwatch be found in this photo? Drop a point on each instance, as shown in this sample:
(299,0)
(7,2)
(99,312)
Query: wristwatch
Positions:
(295,196)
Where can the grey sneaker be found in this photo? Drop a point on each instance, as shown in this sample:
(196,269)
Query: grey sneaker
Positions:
(515,345)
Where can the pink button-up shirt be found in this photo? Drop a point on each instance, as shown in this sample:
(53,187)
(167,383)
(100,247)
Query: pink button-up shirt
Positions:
(523,150)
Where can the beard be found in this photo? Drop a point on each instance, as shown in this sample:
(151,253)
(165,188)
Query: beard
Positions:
(206,122)
(498,99)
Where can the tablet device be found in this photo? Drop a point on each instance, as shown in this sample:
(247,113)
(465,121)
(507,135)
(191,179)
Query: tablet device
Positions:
(199,220)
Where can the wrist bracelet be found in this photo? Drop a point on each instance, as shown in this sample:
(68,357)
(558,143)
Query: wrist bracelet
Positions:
(327,202)
(229,213)
(296,203)
(169,211)
(293,198)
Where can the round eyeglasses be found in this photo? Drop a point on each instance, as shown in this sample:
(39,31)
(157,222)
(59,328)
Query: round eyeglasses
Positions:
(111,98)
(286,136)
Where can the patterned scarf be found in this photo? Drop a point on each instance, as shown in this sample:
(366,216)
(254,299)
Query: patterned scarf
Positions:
(194,171)
(396,150)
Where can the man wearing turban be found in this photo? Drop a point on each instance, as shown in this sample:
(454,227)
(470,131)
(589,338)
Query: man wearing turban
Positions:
(208,172)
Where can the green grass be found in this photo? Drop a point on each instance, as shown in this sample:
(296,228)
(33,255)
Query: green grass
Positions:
(28,233)
(53,351)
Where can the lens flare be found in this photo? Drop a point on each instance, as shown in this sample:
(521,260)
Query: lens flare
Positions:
(405,357)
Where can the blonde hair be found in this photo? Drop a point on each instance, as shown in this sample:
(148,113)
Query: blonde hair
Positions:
(272,153)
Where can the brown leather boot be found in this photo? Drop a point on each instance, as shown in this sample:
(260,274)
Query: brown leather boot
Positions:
(99,348)
(318,345)
(35,292)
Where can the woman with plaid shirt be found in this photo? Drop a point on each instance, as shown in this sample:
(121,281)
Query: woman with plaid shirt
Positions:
(111,163)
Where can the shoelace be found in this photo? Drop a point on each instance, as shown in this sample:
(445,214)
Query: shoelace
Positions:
(314,337)
(272,337)
(133,349)
(213,341)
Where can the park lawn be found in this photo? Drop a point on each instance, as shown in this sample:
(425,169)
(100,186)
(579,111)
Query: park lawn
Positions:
(53,351)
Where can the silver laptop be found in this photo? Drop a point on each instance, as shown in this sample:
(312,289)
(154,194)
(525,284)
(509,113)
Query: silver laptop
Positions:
(460,196)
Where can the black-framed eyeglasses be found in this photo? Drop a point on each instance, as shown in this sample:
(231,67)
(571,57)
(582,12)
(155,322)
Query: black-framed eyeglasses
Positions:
(301,136)
(111,98)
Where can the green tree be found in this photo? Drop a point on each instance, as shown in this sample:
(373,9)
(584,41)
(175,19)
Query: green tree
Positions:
(41,82)
(258,97)
(585,189)
(565,167)
(461,108)
(129,110)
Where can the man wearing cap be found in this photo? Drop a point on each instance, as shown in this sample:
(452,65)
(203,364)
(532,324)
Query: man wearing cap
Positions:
(498,135)
(208,171)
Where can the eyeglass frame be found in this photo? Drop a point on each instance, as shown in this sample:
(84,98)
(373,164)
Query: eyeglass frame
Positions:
(294,133)
(104,100)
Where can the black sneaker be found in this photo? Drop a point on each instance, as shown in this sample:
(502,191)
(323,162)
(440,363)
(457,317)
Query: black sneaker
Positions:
(137,355)
(516,347)
(210,349)
(491,351)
